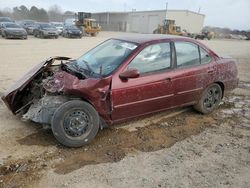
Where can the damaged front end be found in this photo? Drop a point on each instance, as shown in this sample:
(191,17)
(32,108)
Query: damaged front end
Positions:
(38,94)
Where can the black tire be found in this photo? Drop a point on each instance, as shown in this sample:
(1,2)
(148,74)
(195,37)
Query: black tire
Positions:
(6,36)
(210,99)
(69,130)
(41,35)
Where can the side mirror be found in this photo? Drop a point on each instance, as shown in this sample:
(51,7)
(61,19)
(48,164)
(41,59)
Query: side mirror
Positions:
(129,73)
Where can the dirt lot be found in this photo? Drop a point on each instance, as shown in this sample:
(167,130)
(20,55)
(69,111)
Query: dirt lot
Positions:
(178,148)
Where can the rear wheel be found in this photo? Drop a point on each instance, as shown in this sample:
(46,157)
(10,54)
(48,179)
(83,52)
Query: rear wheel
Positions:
(5,35)
(210,99)
(75,123)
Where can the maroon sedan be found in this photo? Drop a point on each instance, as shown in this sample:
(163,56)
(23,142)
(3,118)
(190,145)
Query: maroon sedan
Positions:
(121,78)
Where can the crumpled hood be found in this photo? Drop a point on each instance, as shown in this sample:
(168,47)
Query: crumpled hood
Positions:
(19,85)
(67,83)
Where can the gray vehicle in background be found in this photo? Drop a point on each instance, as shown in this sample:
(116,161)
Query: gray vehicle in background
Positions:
(45,30)
(3,20)
(71,31)
(28,25)
(59,26)
(13,30)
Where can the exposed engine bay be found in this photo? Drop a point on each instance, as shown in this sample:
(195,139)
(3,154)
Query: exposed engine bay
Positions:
(46,91)
(51,85)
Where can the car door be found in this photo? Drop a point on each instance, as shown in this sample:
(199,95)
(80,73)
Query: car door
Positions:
(193,71)
(151,91)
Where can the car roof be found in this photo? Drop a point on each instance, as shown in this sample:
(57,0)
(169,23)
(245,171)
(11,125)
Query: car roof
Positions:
(56,22)
(144,38)
(27,20)
(43,23)
(4,23)
(5,18)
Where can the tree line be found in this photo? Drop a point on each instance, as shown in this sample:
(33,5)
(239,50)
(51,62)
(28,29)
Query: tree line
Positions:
(226,30)
(54,13)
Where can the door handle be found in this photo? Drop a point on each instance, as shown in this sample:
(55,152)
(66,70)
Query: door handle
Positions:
(211,70)
(168,79)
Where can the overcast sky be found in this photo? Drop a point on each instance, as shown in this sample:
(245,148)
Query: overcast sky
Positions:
(234,14)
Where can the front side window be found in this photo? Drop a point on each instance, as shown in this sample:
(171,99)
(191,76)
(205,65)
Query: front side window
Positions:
(205,57)
(153,58)
(187,54)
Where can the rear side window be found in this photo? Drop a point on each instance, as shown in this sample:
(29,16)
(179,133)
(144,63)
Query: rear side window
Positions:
(205,57)
(187,54)
(153,58)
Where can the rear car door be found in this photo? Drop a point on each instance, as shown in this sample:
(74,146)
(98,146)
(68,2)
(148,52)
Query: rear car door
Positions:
(151,91)
(194,69)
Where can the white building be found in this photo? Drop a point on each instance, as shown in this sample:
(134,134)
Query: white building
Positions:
(148,21)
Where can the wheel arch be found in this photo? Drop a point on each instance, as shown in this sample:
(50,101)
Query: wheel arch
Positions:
(221,84)
(103,123)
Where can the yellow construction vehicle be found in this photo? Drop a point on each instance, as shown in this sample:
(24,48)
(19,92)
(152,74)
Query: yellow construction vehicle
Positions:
(87,24)
(168,27)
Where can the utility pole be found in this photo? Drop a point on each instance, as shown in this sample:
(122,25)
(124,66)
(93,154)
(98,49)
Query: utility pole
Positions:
(166,9)
(199,10)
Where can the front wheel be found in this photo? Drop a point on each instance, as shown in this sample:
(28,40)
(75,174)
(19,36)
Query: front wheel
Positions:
(75,123)
(210,99)
(41,35)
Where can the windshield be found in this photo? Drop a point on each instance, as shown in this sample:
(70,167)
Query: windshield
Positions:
(73,27)
(43,26)
(106,57)
(5,20)
(94,24)
(28,22)
(58,25)
(12,26)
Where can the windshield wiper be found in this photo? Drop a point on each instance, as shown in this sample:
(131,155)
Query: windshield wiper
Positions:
(75,69)
(88,67)
(90,71)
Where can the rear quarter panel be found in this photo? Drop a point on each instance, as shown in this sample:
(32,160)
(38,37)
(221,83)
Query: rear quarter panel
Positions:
(227,73)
